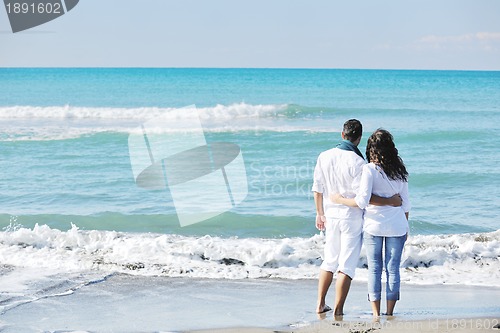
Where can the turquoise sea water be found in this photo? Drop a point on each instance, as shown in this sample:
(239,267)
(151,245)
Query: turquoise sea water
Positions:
(66,173)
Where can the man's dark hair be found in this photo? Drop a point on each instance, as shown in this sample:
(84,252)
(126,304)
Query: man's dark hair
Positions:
(352,130)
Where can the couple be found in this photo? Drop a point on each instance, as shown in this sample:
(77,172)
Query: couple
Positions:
(358,202)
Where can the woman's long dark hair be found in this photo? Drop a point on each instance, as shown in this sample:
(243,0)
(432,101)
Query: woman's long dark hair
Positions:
(380,149)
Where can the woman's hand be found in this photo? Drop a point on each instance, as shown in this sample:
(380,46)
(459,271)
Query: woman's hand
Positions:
(396,200)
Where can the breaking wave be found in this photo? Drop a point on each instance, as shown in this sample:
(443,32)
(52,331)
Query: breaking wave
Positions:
(471,259)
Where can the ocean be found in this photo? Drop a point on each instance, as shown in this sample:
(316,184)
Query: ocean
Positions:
(71,211)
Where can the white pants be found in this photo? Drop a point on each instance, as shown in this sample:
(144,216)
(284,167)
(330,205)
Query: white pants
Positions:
(343,245)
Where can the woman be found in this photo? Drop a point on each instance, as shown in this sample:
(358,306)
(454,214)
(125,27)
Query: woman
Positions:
(384,226)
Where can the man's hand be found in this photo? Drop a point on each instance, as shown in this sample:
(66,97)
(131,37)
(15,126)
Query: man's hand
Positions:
(320,222)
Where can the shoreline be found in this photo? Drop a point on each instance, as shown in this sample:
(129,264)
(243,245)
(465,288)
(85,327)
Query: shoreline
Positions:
(384,324)
(464,325)
(127,303)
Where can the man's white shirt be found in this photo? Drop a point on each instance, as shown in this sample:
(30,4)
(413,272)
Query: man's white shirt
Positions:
(338,171)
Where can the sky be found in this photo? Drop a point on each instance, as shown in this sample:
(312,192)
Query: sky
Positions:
(382,34)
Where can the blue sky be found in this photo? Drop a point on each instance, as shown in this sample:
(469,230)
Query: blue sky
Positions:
(394,34)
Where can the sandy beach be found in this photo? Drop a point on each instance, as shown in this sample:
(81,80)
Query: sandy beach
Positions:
(125,303)
(423,326)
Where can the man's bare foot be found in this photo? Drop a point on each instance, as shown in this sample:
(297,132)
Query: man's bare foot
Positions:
(323,308)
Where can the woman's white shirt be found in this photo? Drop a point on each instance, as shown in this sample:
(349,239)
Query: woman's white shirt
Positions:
(387,221)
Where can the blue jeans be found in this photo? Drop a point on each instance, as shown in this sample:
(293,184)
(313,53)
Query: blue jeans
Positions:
(393,250)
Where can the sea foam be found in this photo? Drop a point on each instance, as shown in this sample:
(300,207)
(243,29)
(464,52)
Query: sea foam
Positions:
(471,259)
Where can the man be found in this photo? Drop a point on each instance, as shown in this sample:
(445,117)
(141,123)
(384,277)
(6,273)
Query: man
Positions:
(338,171)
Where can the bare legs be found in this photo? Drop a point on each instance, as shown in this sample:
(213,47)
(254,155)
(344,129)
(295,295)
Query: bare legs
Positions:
(341,290)
(342,287)
(325,280)
(376,307)
(390,307)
